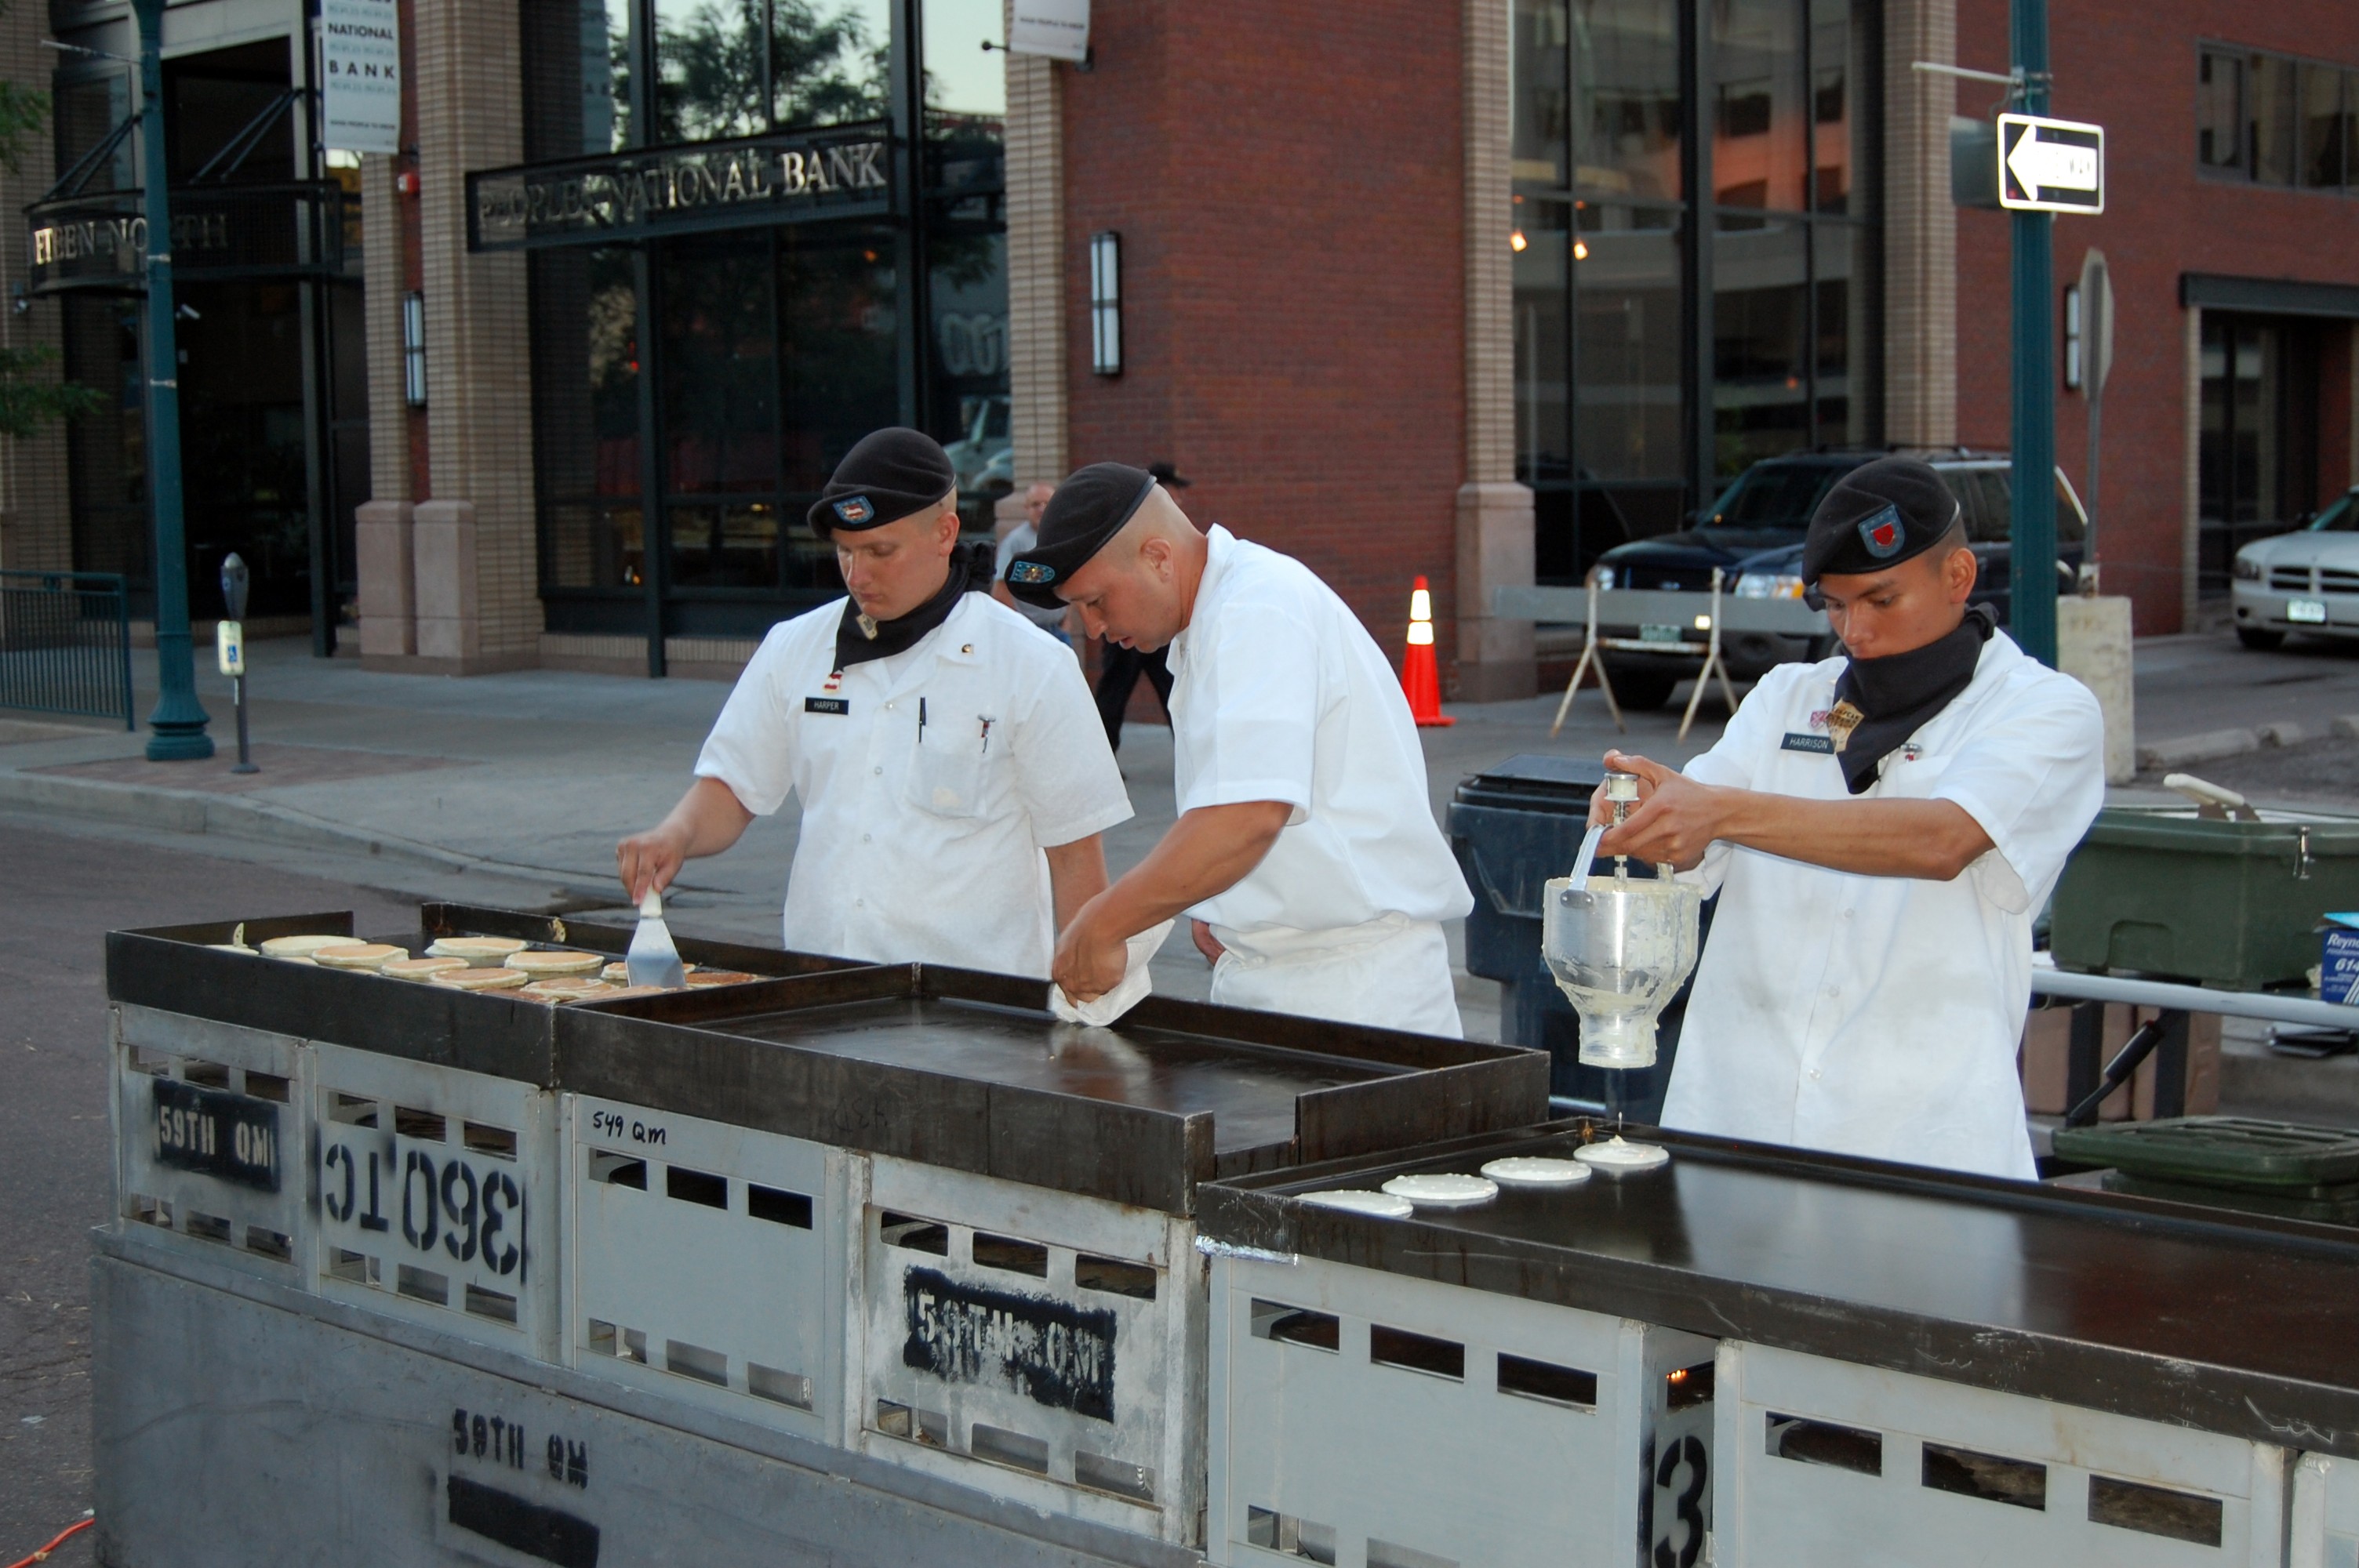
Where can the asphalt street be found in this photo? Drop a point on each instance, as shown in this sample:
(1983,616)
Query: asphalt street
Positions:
(59,896)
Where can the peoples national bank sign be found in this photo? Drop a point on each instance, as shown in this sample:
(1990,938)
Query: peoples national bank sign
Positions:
(713,185)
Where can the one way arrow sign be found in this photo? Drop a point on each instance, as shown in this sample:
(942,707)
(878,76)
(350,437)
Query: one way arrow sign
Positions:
(2050,166)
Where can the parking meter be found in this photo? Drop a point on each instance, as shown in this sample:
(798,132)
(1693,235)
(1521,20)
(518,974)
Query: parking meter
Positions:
(236,581)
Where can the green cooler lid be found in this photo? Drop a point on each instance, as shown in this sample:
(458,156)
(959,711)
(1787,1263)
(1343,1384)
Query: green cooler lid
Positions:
(2223,1151)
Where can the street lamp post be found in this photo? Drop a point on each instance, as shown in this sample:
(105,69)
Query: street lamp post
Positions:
(2032,555)
(177,728)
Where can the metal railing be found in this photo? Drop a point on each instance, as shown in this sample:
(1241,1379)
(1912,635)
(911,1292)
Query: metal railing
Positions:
(65,644)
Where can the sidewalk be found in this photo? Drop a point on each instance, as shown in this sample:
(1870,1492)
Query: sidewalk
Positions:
(517,785)
(512,789)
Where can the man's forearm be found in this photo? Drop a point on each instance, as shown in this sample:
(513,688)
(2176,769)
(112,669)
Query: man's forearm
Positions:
(1077,874)
(710,818)
(1934,839)
(1208,851)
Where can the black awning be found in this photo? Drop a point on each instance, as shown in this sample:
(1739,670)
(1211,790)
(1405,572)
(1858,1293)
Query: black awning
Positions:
(2268,295)
(218,234)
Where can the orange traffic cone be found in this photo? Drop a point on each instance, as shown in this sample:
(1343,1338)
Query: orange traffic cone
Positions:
(1420,680)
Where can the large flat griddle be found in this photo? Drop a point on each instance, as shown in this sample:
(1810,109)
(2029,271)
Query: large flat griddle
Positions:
(1248,1090)
(967,1069)
(2230,1322)
(945,1067)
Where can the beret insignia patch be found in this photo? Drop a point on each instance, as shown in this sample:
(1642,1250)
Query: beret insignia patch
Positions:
(1881,533)
(855,510)
(1031,572)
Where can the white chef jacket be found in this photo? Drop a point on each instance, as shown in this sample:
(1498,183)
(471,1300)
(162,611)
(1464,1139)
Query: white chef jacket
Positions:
(1279,693)
(1880,1016)
(921,846)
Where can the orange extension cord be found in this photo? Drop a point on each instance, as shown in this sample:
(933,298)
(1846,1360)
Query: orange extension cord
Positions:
(62,1537)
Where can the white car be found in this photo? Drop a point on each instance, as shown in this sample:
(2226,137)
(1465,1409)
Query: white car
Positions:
(2306,581)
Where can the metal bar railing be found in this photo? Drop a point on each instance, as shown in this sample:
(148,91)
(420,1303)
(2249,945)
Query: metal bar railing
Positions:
(65,644)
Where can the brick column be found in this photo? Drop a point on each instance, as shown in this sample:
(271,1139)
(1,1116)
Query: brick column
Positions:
(1495,660)
(382,539)
(1920,228)
(478,365)
(1036,270)
(36,519)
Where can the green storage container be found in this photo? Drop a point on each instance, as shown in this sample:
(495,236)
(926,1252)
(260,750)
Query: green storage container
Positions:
(2160,891)
(2248,1200)
(2283,1157)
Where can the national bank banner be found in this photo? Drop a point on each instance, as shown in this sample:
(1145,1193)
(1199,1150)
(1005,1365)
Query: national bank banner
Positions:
(360,76)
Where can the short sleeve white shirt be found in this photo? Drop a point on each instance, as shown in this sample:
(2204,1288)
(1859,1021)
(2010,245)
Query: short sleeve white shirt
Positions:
(921,843)
(1279,693)
(1880,1016)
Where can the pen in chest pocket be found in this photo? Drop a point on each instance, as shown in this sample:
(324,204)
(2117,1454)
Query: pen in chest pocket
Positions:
(987,731)
(921,721)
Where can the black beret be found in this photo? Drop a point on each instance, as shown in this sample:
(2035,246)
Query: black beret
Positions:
(888,475)
(1087,510)
(1880,514)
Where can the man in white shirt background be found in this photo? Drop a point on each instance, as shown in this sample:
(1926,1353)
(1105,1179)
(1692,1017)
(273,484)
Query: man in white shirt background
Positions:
(1882,829)
(954,778)
(1016,535)
(1306,850)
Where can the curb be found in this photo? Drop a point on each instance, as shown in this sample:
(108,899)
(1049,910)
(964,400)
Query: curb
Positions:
(199,811)
(2213,744)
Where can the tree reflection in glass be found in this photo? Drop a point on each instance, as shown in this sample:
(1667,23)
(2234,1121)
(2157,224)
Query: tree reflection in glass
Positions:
(735,68)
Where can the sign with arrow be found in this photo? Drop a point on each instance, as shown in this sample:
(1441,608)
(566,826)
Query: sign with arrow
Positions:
(2050,166)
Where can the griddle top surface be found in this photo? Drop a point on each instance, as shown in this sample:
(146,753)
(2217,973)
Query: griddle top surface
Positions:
(2274,1303)
(1250,1090)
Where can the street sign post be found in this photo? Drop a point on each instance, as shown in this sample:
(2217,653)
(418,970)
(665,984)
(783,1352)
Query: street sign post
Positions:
(2097,363)
(2050,166)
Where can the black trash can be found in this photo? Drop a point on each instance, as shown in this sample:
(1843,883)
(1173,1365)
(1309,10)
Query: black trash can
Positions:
(1515,826)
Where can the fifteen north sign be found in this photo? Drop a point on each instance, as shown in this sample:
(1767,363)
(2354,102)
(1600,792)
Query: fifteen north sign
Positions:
(2050,166)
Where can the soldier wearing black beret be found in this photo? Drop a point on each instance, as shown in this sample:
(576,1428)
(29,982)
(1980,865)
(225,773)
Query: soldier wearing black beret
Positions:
(941,745)
(1881,828)
(1305,854)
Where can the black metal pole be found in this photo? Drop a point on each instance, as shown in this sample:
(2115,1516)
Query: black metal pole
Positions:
(177,728)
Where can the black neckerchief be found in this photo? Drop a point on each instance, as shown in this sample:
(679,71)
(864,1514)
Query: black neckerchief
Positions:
(1895,695)
(859,639)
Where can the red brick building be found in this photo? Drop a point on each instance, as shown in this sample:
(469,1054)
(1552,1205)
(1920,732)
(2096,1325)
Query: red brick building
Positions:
(1468,290)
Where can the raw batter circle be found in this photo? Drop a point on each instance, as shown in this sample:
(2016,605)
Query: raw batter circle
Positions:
(1378,1205)
(1616,1158)
(1445,1190)
(1530,1171)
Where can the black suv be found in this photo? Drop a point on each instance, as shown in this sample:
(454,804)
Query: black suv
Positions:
(1754,533)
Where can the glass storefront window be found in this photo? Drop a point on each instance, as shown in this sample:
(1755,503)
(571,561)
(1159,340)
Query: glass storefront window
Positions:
(1847,268)
(830,60)
(1650,367)
(720,366)
(1541,112)
(577,77)
(1626,114)
(735,68)
(769,350)
(709,69)
(961,78)
(1760,135)
(1760,318)
(585,394)
(1626,346)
